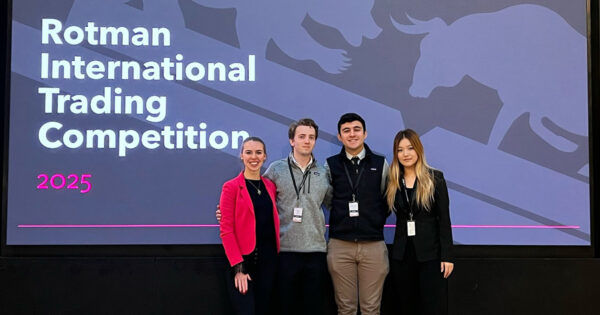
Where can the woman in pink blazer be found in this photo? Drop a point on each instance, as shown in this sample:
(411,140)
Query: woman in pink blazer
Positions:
(250,232)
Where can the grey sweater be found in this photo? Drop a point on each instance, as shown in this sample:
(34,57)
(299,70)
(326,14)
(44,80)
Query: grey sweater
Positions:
(308,235)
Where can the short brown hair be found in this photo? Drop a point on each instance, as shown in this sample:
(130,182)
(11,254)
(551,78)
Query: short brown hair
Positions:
(302,122)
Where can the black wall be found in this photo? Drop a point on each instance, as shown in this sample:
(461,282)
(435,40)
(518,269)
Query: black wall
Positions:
(197,286)
(158,284)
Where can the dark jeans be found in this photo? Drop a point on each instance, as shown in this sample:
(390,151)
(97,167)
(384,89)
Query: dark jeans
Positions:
(262,268)
(301,281)
(420,286)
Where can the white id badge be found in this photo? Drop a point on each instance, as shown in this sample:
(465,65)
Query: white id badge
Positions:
(353,208)
(410,228)
(297,215)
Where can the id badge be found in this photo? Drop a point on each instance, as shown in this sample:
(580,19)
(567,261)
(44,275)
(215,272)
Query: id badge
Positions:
(353,208)
(297,215)
(410,228)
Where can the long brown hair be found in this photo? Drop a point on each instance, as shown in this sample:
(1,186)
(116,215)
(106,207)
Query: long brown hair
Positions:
(425,185)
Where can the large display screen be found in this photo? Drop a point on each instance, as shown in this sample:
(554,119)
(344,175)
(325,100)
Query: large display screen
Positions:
(126,117)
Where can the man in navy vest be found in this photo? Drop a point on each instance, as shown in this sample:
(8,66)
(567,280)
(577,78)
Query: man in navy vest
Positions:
(357,256)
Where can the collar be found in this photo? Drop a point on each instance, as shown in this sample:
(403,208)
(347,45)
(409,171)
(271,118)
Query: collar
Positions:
(303,169)
(367,152)
(361,155)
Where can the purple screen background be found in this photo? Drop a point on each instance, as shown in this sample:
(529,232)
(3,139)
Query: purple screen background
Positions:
(497,90)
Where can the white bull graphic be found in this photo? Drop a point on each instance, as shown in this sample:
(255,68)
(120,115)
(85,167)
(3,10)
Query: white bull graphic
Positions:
(528,53)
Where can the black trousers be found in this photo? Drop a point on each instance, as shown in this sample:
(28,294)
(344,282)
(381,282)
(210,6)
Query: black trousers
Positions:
(420,286)
(262,267)
(301,281)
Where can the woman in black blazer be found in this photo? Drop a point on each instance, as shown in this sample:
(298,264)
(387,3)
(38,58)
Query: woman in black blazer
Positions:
(422,249)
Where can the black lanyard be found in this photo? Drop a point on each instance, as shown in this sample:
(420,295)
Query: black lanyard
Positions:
(408,202)
(306,173)
(352,187)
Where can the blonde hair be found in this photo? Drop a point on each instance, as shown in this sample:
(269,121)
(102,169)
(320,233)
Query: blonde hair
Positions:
(425,184)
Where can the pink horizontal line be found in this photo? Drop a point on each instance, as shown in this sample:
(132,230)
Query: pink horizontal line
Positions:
(517,226)
(114,225)
(216,225)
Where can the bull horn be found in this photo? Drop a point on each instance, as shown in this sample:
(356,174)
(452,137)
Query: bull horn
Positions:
(414,20)
(418,26)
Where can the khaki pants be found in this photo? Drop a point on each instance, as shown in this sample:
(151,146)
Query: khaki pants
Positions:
(358,271)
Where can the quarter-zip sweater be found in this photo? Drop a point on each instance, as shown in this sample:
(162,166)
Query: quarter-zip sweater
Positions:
(308,235)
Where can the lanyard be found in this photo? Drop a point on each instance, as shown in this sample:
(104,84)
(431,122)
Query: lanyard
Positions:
(410,213)
(306,173)
(354,188)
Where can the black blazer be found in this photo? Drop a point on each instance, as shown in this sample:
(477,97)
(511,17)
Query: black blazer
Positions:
(433,239)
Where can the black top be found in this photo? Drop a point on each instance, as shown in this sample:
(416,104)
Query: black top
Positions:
(433,239)
(263,213)
(372,209)
(265,228)
(411,193)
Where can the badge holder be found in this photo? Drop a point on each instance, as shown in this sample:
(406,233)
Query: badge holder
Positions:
(353,207)
(297,215)
(411,226)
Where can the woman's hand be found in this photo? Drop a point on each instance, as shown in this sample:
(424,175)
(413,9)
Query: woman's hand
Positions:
(447,268)
(241,282)
(218,213)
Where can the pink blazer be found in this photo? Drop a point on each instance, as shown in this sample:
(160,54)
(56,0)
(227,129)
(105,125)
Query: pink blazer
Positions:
(238,224)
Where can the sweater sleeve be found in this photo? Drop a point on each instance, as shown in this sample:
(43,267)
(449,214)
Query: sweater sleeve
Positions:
(271,173)
(329,193)
(384,177)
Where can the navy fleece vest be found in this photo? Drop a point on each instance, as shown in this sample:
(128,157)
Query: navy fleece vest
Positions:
(368,226)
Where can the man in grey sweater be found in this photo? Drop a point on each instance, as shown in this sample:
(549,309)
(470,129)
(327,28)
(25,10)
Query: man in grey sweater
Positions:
(302,188)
